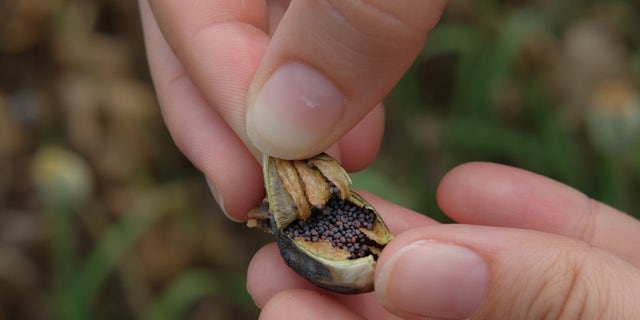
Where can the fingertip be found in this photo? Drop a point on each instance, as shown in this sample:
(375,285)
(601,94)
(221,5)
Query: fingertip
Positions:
(458,181)
(294,112)
(217,195)
(361,144)
(500,195)
(259,266)
(268,274)
(432,279)
(305,304)
(235,198)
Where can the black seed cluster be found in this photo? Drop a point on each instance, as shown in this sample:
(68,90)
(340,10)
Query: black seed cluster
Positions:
(337,222)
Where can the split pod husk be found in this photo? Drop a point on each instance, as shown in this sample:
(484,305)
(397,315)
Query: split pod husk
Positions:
(326,233)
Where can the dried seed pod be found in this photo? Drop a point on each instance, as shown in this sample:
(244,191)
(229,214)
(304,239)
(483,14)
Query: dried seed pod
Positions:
(326,233)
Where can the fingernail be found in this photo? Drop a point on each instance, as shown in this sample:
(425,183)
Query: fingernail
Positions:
(219,199)
(430,279)
(294,111)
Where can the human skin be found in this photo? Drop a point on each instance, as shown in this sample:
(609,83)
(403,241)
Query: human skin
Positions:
(238,78)
(545,251)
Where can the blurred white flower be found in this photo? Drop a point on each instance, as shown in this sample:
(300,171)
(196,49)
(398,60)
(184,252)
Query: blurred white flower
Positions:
(61,176)
(613,117)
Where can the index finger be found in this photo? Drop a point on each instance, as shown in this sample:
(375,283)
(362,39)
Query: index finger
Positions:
(498,195)
(220,43)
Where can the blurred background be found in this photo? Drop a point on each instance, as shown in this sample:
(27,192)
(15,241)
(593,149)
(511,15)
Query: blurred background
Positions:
(101,217)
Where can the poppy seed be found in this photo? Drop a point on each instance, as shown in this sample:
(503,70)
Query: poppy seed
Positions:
(337,222)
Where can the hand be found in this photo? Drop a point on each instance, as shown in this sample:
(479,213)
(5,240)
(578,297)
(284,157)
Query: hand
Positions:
(238,77)
(527,248)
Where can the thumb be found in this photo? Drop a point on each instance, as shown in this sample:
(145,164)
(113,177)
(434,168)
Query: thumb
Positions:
(458,271)
(327,65)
